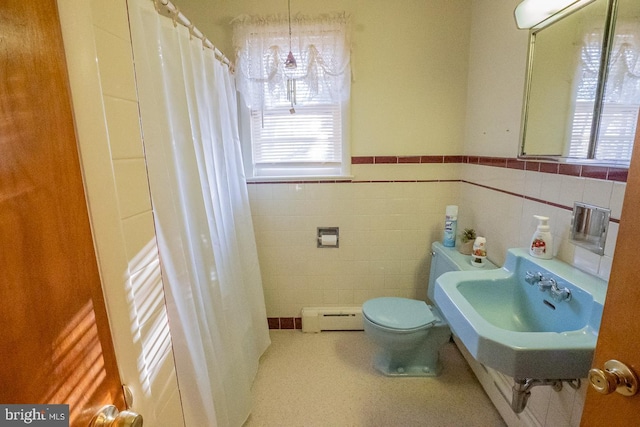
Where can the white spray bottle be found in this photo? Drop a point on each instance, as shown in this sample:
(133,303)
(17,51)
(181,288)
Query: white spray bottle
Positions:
(542,242)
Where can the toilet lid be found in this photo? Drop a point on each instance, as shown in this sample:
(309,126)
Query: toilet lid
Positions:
(398,313)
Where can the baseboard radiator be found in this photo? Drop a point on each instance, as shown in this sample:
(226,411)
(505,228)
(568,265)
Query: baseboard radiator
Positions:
(316,319)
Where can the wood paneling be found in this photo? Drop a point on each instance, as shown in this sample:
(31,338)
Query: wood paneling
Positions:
(620,330)
(54,335)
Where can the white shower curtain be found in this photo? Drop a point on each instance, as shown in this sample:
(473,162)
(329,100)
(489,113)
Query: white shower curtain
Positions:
(205,235)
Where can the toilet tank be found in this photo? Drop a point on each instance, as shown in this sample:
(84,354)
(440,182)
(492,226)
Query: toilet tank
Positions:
(445,259)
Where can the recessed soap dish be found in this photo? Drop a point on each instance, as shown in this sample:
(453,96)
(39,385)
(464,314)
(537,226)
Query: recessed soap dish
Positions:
(589,225)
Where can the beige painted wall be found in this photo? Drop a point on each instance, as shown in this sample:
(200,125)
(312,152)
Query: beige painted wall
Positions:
(409,65)
(497,65)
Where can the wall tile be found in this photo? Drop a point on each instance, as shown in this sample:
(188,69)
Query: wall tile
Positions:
(578,405)
(147,293)
(345,297)
(140,240)
(132,187)
(612,237)
(617,198)
(550,187)
(586,260)
(598,192)
(123,124)
(557,414)
(566,251)
(116,66)
(605,268)
(111,16)
(538,403)
(168,414)
(571,190)
(532,184)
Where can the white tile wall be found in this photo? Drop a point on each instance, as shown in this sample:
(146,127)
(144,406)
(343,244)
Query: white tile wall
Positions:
(132,186)
(386,229)
(116,70)
(507,220)
(147,311)
(123,125)
(96,36)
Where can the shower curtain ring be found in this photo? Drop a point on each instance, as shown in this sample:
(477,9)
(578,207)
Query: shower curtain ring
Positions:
(175,15)
(191,32)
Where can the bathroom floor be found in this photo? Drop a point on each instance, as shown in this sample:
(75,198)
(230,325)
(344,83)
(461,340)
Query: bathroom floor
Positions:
(327,379)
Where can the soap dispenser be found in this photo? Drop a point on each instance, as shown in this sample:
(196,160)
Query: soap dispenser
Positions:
(542,241)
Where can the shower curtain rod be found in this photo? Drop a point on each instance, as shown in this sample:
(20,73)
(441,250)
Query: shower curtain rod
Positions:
(168,9)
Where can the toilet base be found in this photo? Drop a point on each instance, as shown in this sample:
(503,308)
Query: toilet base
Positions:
(422,360)
(394,368)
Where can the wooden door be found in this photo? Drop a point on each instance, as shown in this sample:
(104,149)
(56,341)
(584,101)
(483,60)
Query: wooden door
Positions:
(55,342)
(619,337)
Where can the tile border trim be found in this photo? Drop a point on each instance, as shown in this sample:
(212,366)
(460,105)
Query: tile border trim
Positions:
(292,321)
(533,199)
(585,171)
(617,174)
(284,322)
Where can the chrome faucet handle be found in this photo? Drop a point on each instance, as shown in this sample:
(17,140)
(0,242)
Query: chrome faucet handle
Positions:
(547,283)
(561,294)
(533,278)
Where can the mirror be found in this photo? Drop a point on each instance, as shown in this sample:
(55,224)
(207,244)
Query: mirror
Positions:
(583,85)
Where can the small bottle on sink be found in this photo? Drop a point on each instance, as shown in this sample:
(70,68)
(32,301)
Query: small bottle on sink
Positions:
(542,242)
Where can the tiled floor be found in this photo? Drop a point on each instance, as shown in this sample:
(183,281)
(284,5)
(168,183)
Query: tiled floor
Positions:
(327,379)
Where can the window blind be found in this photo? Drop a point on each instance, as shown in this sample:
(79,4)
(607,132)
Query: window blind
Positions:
(617,131)
(619,114)
(313,135)
(581,129)
(305,142)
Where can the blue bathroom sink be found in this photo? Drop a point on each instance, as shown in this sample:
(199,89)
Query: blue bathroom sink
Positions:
(531,319)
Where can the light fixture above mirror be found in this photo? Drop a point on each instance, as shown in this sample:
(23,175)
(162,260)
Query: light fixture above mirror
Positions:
(530,13)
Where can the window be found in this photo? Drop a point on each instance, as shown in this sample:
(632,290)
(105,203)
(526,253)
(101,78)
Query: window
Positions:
(308,142)
(296,117)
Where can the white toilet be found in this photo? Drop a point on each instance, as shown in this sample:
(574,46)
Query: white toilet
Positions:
(409,332)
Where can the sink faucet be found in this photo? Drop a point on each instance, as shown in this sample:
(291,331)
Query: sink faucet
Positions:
(548,284)
(561,294)
(533,278)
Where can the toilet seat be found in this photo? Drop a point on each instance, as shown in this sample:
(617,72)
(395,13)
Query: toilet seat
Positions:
(399,313)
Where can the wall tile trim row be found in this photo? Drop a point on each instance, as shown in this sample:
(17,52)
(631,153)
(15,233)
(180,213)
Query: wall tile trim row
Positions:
(533,199)
(585,171)
(284,322)
(331,181)
(368,160)
(617,174)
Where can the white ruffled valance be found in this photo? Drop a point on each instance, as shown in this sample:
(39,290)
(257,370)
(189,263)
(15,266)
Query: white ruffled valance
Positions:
(320,45)
(623,80)
(623,74)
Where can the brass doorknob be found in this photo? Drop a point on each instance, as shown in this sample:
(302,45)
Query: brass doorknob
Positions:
(108,416)
(616,376)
